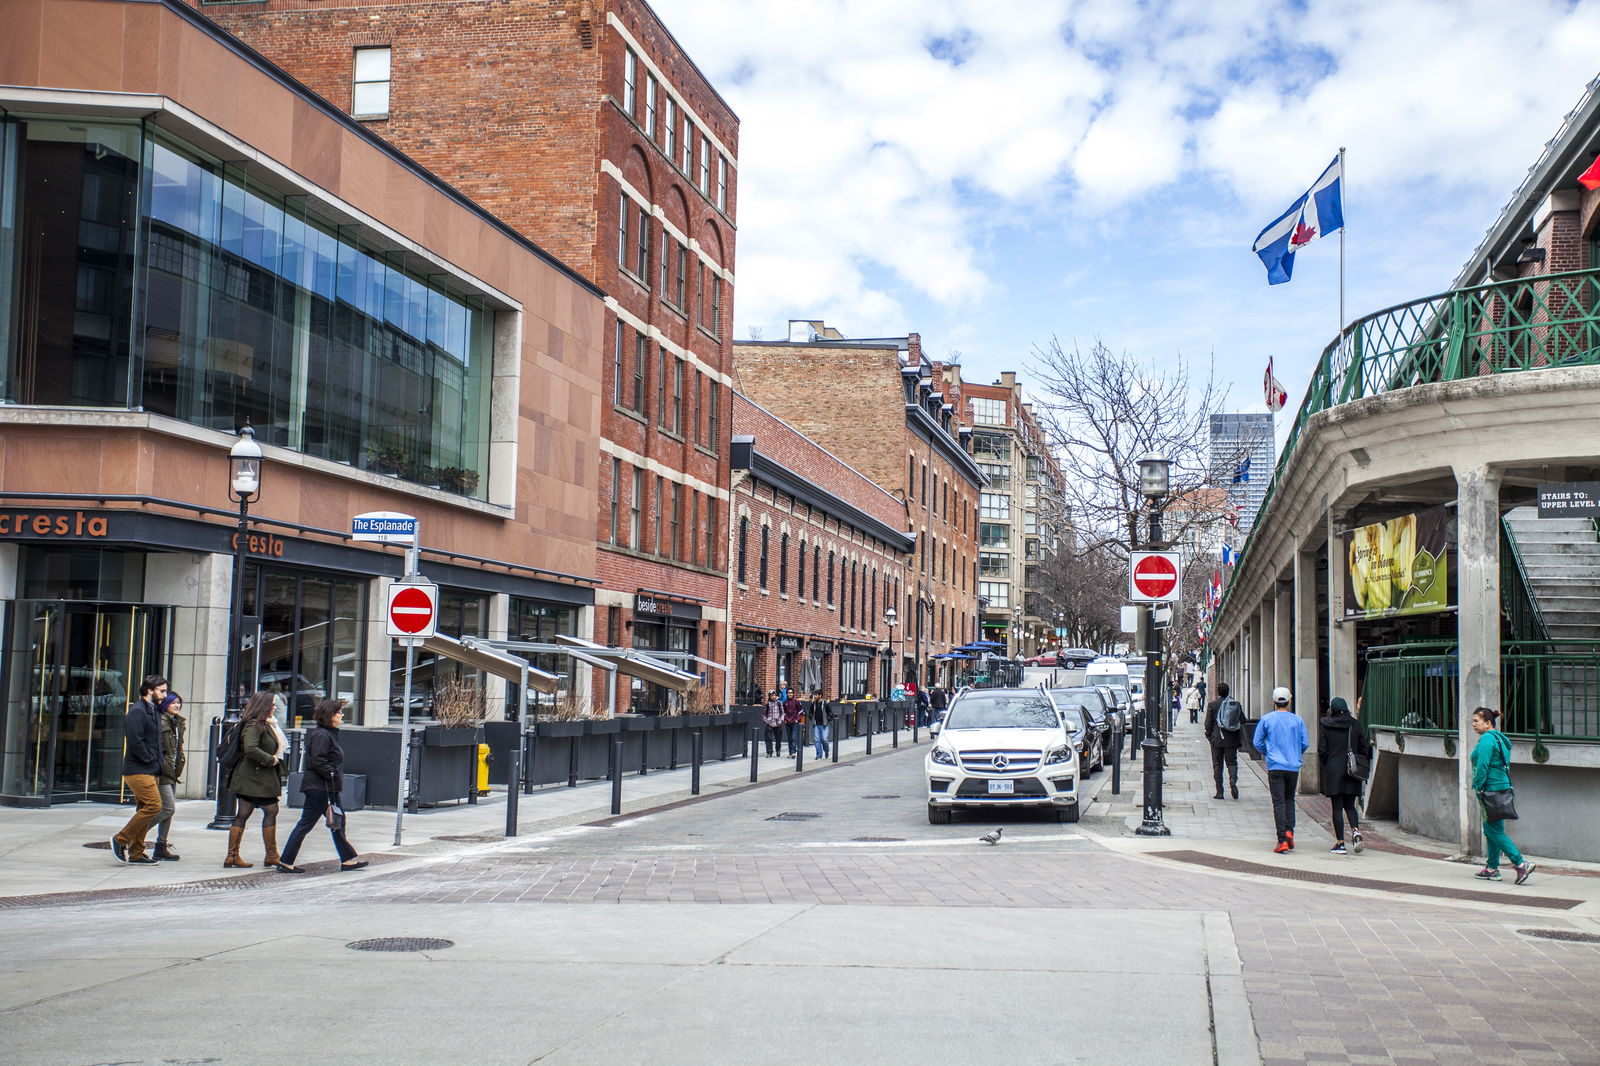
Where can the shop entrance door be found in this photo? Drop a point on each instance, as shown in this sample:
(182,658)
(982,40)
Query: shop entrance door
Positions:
(71,670)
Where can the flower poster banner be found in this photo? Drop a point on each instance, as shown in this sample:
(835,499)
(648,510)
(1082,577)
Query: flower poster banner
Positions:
(1398,567)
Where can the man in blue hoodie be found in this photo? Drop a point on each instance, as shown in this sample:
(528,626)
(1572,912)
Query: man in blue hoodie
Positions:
(1281,737)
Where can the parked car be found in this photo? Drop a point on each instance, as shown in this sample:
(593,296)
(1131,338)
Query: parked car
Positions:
(1002,748)
(1076,658)
(1121,704)
(1043,659)
(1088,722)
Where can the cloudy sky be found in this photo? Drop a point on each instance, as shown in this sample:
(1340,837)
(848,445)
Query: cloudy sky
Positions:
(992,175)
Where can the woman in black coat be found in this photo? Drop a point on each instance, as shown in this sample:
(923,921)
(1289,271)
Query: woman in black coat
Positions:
(1340,735)
(321,782)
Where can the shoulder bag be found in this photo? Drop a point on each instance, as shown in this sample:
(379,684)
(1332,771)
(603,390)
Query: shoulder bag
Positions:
(1358,762)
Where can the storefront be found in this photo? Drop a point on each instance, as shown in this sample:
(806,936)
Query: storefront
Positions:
(749,645)
(787,649)
(663,624)
(817,672)
(855,671)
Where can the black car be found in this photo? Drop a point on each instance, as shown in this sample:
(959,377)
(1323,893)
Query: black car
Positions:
(1087,708)
(1075,658)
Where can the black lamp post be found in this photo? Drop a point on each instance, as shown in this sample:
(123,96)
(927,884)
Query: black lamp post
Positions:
(244,486)
(1153,486)
(891,618)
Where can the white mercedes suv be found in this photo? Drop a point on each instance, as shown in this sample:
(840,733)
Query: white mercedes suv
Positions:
(1002,747)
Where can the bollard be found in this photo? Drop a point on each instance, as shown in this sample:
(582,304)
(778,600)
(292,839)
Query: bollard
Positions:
(800,732)
(835,737)
(894,730)
(616,775)
(227,802)
(414,793)
(673,761)
(697,745)
(511,792)
(572,762)
(530,748)
(871,728)
(644,754)
(916,724)
(1116,761)
(755,754)
(472,779)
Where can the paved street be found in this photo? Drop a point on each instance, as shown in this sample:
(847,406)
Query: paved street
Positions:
(820,918)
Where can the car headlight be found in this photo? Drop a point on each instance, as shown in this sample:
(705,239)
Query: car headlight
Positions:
(1059,754)
(944,756)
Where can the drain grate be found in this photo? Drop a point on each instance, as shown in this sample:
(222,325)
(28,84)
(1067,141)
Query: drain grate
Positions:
(1570,936)
(1218,862)
(880,797)
(401,943)
(794,816)
(879,840)
(482,838)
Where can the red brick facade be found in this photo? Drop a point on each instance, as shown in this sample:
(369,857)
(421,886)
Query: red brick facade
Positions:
(556,118)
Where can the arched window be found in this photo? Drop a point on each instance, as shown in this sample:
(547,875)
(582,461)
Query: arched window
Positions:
(766,532)
(744,548)
(783,564)
(830,579)
(800,574)
(816,574)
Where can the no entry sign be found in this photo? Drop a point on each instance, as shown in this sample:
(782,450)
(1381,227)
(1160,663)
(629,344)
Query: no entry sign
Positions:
(1153,576)
(413,609)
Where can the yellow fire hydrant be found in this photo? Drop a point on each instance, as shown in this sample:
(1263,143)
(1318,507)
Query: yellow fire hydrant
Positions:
(483,769)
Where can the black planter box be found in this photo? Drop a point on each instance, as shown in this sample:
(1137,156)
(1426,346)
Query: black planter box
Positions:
(352,797)
(573,728)
(442,774)
(438,736)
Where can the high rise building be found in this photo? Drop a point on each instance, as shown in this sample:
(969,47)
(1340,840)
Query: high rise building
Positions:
(1243,452)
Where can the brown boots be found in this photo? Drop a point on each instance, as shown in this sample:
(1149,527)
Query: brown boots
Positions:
(235,836)
(269,837)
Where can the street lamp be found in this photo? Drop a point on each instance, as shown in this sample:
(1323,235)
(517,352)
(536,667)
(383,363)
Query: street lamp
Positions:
(1154,484)
(244,486)
(891,618)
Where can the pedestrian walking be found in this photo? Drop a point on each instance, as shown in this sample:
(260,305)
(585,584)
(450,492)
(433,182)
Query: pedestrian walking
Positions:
(1491,780)
(821,720)
(258,779)
(141,769)
(173,760)
(924,707)
(1281,737)
(772,718)
(793,717)
(321,783)
(1191,703)
(1343,753)
(937,703)
(1224,729)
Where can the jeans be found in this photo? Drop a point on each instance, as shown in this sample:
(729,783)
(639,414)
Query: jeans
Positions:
(148,797)
(1344,806)
(774,738)
(819,734)
(316,806)
(1228,757)
(1283,784)
(1496,840)
(169,807)
(793,729)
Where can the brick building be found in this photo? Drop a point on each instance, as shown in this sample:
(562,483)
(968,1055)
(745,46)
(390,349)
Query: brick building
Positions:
(587,128)
(1022,518)
(818,558)
(873,403)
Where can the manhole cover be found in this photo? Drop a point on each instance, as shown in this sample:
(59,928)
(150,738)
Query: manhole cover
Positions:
(794,816)
(1568,935)
(103,845)
(401,943)
(879,840)
(880,797)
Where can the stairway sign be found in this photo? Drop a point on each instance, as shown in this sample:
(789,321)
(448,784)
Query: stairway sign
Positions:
(1569,499)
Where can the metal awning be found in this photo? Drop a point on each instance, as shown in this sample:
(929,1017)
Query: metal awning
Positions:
(636,664)
(684,656)
(493,662)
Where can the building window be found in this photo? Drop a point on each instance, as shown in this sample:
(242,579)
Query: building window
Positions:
(988,412)
(994,507)
(680,289)
(669,112)
(711,532)
(722,182)
(675,548)
(636,514)
(630,80)
(705,167)
(688,145)
(642,257)
(616,496)
(616,370)
(666,261)
(783,564)
(716,305)
(993,535)
(744,549)
(650,106)
(370,95)
(816,572)
(830,578)
(999,476)
(766,532)
(994,564)
(716,403)
(641,364)
(800,572)
(623,210)
(677,396)
(661,508)
(998,593)
(694,527)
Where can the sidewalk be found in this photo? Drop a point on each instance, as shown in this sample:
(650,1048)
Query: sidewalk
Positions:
(66,848)
(1237,836)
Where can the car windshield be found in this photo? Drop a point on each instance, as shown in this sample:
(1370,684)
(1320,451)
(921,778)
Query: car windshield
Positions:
(1074,716)
(1075,702)
(996,711)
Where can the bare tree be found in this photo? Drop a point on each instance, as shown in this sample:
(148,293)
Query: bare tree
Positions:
(1083,594)
(756,333)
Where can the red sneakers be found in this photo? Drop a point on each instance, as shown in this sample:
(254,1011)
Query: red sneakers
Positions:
(1283,846)
(1289,833)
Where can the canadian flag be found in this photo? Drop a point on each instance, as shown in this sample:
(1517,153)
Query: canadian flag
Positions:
(1273,388)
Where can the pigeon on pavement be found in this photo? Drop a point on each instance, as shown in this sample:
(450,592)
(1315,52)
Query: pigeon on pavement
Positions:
(992,838)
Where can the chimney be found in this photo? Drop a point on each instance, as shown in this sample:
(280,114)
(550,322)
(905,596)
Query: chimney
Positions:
(1008,378)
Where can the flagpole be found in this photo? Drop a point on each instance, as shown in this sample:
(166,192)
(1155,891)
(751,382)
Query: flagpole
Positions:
(1343,188)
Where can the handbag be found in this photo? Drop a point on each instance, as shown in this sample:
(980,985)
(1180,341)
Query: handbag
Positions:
(1356,766)
(1499,805)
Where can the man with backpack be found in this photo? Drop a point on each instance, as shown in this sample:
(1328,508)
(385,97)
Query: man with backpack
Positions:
(1225,730)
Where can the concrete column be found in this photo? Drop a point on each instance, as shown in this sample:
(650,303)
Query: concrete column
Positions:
(200,589)
(1264,683)
(1477,621)
(1341,634)
(1306,630)
(1283,634)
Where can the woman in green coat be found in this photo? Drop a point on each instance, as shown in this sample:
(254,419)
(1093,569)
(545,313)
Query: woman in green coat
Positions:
(258,779)
(1491,772)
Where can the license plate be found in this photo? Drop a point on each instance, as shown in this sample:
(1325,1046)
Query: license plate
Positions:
(1002,787)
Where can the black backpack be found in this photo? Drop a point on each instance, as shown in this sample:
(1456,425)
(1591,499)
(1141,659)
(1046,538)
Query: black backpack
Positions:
(230,753)
(1230,715)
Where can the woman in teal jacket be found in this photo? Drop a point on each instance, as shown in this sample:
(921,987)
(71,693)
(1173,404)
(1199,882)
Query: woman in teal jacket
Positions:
(1491,772)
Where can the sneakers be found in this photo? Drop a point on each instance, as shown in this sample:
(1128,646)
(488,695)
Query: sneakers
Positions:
(1525,871)
(1488,873)
(1218,795)
(1355,841)
(1236,791)
(1283,846)
(1338,849)
(119,852)
(144,860)
(1289,836)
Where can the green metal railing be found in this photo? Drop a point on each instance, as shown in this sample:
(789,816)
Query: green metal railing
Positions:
(1510,326)
(1549,689)
(1523,615)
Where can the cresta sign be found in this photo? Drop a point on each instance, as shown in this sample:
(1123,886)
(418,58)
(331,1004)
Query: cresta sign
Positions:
(52,524)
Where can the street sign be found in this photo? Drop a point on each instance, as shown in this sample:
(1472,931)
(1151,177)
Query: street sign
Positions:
(1569,499)
(413,609)
(1153,576)
(1161,618)
(385,527)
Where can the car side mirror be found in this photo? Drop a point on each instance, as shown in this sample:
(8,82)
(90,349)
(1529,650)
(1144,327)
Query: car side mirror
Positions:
(933,729)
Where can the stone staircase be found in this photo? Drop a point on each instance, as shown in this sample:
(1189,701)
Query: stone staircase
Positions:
(1562,557)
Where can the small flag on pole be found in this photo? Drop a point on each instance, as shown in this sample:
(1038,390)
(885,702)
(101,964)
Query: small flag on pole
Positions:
(1229,556)
(1273,389)
(1318,212)
(1590,179)
(1243,472)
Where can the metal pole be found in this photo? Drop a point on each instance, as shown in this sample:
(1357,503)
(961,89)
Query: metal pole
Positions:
(755,753)
(227,803)
(511,792)
(834,731)
(402,790)
(616,775)
(894,727)
(1116,758)
(1153,825)
(697,744)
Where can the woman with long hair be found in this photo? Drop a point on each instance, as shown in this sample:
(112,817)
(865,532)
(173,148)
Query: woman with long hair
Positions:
(1340,737)
(321,783)
(258,779)
(1491,772)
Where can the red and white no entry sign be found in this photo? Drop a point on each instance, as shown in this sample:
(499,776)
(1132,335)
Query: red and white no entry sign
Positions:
(1153,576)
(413,609)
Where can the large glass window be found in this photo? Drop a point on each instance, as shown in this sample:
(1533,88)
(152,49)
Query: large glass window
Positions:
(998,593)
(989,412)
(993,535)
(370,94)
(994,564)
(539,621)
(310,639)
(995,507)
